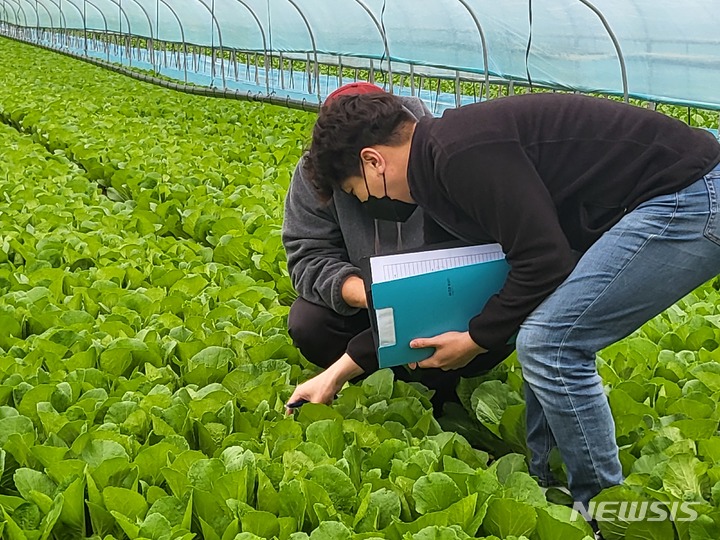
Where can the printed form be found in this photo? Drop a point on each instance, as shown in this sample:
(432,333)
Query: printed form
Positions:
(391,267)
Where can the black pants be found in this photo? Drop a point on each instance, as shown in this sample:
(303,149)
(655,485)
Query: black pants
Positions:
(323,336)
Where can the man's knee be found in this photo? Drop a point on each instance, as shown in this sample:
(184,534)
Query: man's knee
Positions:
(546,353)
(318,331)
(305,325)
(532,339)
(537,350)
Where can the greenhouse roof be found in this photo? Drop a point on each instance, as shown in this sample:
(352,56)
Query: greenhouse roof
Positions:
(661,50)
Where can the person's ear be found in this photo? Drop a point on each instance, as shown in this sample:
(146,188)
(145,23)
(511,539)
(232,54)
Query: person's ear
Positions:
(372,158)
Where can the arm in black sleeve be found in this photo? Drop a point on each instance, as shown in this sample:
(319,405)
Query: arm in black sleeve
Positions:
(362,350)
(500,189)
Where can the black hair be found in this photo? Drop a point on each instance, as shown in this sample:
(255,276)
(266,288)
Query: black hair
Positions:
(346,126)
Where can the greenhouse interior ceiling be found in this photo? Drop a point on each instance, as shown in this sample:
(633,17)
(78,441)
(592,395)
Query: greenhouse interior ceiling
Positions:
(300,50)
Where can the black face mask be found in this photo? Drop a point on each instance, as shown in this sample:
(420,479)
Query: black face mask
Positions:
(384,207)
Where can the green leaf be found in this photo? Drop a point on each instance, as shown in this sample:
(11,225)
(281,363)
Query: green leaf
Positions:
(331,530)
(379,385)
(262,524)
(100,450)
(126,502)
(189,286)
(337,484)
(210,365)
(491,399)
(704,528)
(522,487)
(683,477)
(507,517)
(329,435)
(155,527)
(556,522)
(650,530)
(435,492)
(27,480)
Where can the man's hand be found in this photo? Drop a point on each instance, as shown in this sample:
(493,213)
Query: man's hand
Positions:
(353,292)
(453,350)
(323,387)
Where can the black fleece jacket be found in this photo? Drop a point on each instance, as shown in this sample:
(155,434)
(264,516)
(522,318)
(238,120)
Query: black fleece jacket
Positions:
(545,176)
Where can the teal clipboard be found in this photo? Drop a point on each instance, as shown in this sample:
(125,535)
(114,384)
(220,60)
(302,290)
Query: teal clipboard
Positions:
(430,304)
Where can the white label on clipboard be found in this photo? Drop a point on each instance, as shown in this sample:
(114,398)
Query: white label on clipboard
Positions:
(386,327)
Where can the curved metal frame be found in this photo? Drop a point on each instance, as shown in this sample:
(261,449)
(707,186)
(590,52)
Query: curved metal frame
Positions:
(102,14)
(264,40)
(52,25)
(83,15)
(23,14)
(383,36)
(15,13)
(104,18)
(63,15)
(484,46)
(222,58)
(37,15)
(182,32)
(314,46)
(127,20)
(76,7)
(63,21)
(616,43)
(152,36)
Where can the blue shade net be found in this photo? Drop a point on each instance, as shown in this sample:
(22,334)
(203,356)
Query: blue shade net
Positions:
(660,50)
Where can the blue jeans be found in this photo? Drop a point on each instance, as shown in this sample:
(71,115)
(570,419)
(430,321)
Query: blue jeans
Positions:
(654,256)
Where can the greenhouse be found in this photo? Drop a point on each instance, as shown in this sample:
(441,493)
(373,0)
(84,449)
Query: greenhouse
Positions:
(171,283)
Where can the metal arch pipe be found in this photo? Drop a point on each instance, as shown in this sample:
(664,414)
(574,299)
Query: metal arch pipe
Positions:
(21,10)
(217,26)
(84,20)
(182,33)
(37,13)
(264,40)
(314,46)
(147,16)
(52,24)
(127,20)
(82,15)
(483,41)
(616,43)
(383,36)
(63,21)
(149,21)
(15,13)
(102,14)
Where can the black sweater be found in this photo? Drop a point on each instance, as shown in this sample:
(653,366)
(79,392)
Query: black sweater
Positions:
(545,176)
